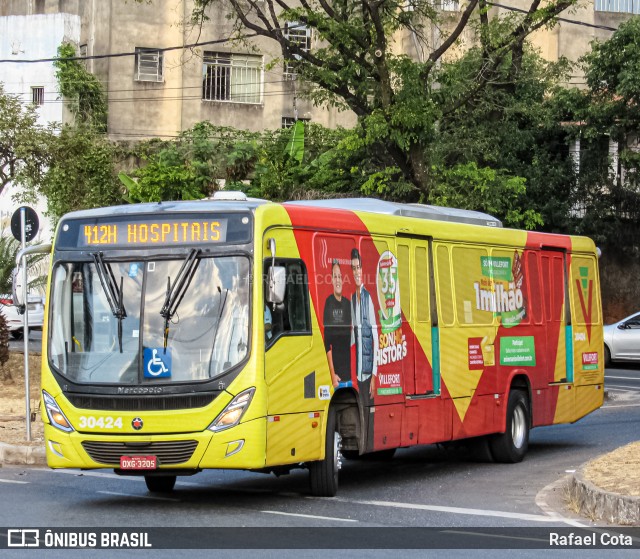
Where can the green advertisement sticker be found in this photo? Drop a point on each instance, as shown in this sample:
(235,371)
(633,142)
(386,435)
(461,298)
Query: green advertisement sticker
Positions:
(498,268)
(390,390)
(518,350)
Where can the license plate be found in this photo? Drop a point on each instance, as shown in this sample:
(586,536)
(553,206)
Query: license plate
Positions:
(138,462)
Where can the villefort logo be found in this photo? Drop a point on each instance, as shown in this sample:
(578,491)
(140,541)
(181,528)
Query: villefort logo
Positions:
(500,289)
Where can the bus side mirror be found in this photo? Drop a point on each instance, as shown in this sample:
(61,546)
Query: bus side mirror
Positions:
(277,284)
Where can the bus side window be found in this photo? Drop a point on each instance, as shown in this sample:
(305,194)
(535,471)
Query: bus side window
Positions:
(292,316)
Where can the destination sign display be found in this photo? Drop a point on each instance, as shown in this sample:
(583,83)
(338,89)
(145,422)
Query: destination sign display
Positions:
(152,231)
(175,231)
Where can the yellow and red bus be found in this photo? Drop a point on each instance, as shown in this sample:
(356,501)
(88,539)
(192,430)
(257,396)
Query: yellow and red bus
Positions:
(243,334)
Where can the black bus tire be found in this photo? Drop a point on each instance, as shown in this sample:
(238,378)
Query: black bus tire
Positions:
(377,456)
(511,446)
(160,484)
(323,474)
(351,454)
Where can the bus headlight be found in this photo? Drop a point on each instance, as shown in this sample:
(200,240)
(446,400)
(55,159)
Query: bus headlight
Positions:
(54,413)
(231,415)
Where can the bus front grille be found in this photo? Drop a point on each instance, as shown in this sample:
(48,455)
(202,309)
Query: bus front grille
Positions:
(167,452)
(137,403)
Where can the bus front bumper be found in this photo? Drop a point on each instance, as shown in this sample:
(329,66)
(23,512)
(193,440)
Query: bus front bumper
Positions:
(239,447)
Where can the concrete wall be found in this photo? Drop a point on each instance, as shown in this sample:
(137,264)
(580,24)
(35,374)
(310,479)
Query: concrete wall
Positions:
(31,38)
(146,109)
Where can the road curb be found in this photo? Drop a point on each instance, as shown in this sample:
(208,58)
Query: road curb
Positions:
(597,504)
(22,455)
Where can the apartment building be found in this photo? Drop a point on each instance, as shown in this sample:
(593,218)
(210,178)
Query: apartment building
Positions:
(170,74)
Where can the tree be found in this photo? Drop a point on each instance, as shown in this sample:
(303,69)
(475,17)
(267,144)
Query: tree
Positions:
(78,163)
(189,167)
(609,111)
(511,129)
(81,171)
(38,265)
(21,146)
(356,67)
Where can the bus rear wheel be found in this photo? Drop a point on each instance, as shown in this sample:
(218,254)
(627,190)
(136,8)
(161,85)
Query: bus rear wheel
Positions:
(511,446)
(323,474)
(160,484)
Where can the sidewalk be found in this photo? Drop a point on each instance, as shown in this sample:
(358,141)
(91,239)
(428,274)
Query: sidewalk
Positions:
(22,455)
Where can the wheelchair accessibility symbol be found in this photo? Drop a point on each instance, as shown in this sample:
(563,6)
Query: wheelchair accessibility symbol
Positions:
(157,363)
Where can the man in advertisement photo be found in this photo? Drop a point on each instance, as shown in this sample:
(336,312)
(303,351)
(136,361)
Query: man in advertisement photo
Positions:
(365,337)
(337,330)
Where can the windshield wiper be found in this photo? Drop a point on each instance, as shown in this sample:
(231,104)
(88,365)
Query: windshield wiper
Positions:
(221,307)
(176,292)
(110,288)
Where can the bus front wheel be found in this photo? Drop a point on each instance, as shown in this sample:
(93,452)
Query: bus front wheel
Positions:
(511,446)
(160,484)
(323,474)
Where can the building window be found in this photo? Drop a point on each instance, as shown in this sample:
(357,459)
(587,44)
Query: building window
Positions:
(232,77)
(37,95)
(618,6)
(289,121)
(148,65)
(449,5)
(299,34)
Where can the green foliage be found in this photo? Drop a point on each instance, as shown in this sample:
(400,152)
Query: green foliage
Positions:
(295,147)
(188,168)
(355,65)
(84,93)
(511,128)
(484,189)
(81,172)
(609,109)
(9,248)
(21,149)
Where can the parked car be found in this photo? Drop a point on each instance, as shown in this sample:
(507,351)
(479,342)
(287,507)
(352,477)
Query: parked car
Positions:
(15,319)
(622,340)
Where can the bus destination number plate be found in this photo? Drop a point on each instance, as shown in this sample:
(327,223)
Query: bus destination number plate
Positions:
(138,463)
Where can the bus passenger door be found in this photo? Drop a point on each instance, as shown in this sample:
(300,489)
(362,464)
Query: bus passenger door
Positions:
(292,367)
(554,291)
(415,293)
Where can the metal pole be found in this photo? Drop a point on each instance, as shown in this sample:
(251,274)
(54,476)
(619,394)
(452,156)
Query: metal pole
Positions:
(25,319)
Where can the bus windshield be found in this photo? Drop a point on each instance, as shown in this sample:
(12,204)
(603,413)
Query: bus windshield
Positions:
(153,321)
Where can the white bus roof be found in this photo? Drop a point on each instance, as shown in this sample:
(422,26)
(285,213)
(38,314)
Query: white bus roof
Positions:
(420,211)
(371,205)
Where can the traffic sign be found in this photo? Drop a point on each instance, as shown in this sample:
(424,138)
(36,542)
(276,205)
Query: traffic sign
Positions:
(31,224)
